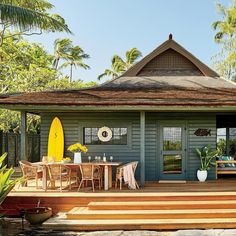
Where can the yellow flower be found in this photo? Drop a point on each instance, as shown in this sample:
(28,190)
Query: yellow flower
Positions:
(77,147)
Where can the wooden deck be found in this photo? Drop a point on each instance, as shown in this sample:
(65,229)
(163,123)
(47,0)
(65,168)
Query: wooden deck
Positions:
(157,206)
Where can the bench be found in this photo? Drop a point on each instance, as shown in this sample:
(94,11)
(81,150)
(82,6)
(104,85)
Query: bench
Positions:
(225,170)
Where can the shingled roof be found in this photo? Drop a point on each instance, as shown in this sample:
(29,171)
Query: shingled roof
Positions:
(168,76)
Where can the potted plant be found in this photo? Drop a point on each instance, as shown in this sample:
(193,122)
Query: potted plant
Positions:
(77,148)
(206,155)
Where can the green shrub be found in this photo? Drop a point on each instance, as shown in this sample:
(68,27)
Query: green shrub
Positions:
(6,183)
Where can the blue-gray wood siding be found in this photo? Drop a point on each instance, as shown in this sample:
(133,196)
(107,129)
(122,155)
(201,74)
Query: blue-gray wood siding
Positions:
(73,124)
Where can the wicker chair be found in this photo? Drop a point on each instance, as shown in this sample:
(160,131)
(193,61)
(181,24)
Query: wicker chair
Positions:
(30,172)
(120,173)
(75,174)
(59,172)
(90,172)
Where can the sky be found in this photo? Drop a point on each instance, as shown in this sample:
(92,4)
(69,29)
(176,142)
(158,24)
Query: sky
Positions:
(107,27)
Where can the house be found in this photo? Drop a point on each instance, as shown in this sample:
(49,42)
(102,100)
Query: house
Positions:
(158,111)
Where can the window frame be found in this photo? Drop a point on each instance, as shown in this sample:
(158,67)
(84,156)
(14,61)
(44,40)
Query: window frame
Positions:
(106,143)
(227,138)
(118,148)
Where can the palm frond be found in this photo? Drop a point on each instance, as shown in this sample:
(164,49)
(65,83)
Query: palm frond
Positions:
(216,24)
(27,19)
(132,55)
(64,65)
(219,36)
(62,46)
(82,65)
(118,64)
(40,5)
(108,72)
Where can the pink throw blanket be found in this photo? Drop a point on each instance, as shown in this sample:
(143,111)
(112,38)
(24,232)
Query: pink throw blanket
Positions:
(129,176)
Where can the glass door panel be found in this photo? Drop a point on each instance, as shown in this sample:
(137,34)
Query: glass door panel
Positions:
(172,164)
(172,138)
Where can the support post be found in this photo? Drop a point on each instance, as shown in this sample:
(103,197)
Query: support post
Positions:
(142,147)
(23,136)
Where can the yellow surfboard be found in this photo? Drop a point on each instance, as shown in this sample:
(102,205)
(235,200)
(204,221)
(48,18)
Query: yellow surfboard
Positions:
(56,140)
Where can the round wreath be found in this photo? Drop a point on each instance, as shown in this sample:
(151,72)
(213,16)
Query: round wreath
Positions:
(104,134)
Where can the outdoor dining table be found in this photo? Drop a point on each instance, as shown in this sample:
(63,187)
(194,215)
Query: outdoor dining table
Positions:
(107,171)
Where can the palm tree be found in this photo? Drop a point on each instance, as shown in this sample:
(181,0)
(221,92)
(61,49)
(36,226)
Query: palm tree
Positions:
(75,59)
(61,50)
(227,26)
(119,66)
(226,36)
(28,19)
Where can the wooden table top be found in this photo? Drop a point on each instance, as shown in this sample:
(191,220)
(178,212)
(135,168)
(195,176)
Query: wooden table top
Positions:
(108,163)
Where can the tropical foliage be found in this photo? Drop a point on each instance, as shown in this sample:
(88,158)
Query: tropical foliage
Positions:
(77,147)
(61,49)
(119,66)
(225,60)
(74,59)
(72,56)
(26,66)
(29,15)
(6,183)
(221,147)
(206,155)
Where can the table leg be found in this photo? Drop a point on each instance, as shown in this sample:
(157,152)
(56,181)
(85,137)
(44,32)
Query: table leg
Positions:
(110,176)
(106,184)
(44,179)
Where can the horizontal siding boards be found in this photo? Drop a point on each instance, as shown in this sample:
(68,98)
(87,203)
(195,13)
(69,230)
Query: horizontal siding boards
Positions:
(199,142)
(193,122)
(73,124)
(150,149)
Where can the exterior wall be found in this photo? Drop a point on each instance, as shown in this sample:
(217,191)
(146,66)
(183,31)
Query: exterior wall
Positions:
(73,124)
(192,123)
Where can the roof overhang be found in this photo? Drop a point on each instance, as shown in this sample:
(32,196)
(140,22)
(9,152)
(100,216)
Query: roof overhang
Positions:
(55,108)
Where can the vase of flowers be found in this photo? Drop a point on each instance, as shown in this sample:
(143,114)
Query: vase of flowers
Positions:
(77,148)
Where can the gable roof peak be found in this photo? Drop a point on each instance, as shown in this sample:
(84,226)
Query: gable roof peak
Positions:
(170,44)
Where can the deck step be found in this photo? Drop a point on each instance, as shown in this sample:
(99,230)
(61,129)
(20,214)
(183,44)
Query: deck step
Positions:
(162,205)
(84,213)
(59,223)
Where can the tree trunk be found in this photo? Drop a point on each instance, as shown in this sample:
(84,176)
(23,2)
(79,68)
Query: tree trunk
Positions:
(71,72)
(57,63)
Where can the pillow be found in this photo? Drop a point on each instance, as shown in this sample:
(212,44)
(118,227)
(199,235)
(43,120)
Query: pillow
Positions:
(226,158)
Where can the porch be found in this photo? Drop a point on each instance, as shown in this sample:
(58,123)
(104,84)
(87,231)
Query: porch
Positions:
(156,206)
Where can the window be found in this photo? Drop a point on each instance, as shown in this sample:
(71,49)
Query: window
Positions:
(119,137)
(172,138)
(232,142)
(226,141)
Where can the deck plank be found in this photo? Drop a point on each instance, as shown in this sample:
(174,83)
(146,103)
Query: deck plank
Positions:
(137,224)
(162,205)
(83,213)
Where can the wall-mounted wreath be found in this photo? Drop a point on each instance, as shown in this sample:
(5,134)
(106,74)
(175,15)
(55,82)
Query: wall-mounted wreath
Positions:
(104,134)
